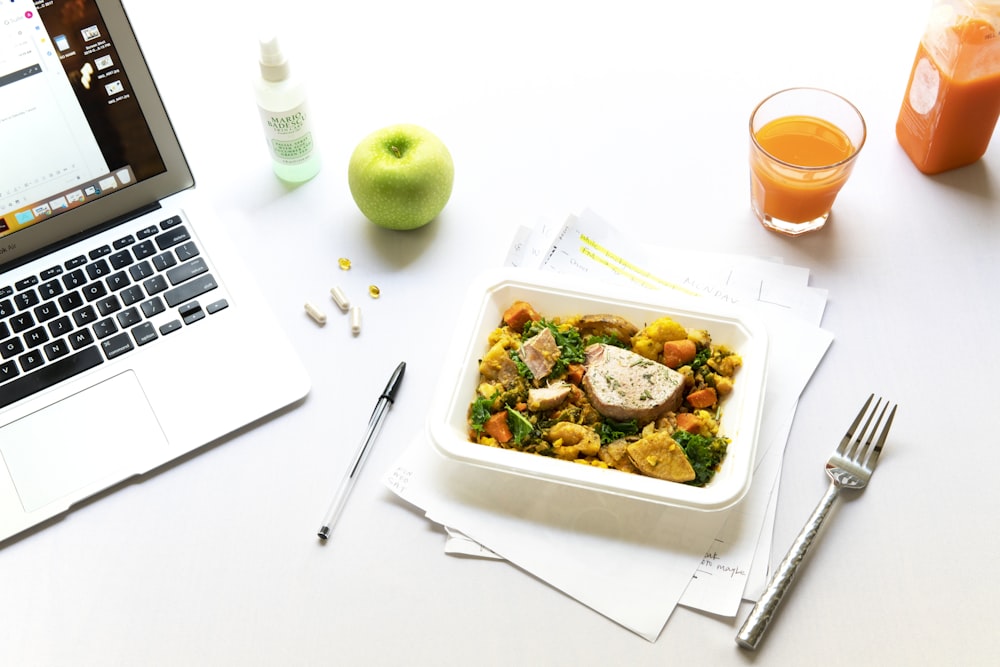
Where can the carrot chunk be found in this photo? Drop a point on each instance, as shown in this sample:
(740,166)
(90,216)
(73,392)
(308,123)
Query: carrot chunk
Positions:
(688,422)
(519,313)
(496,427)
(676,353)
(703,398)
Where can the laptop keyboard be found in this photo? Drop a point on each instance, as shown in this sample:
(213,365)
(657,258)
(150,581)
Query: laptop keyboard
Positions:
(101,305)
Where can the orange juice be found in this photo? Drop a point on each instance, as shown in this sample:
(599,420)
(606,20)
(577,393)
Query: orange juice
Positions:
(952,100)
(798,165)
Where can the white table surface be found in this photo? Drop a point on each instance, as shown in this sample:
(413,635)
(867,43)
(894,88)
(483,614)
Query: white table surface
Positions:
(639,112)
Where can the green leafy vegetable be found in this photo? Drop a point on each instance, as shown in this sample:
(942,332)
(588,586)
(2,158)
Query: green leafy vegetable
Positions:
(612,430)
(480,411)
(705,454)
(519,426)
(569,342)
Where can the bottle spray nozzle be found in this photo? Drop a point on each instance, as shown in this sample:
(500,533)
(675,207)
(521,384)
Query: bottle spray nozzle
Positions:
(273,64)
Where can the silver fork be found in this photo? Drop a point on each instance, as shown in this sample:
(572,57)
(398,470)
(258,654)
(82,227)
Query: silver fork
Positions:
(849,467)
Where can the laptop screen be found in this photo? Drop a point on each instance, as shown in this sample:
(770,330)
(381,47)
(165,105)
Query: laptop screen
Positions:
(80,122)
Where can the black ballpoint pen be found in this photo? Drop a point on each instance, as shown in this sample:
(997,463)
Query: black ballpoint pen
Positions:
(385,400)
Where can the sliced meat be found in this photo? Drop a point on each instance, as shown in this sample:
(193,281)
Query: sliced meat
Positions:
(607,325)
(658,455)
(623,385)
(546,398)
(497,365)
(540,353)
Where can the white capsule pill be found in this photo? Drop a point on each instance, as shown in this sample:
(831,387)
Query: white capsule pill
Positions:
(340,298)
(355,320)
(318,315)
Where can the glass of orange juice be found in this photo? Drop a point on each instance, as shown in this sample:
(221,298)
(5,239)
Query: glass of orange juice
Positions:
(803,145)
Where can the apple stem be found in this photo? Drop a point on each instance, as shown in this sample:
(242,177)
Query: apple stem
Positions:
(396,151)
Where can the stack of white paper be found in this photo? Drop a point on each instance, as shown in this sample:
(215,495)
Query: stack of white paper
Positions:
(708,561)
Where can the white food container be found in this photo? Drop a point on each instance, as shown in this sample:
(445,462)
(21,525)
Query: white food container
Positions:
(555,295)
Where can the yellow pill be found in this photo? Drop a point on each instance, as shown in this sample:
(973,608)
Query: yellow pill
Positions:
(374,292)
(344,264)
(318,315)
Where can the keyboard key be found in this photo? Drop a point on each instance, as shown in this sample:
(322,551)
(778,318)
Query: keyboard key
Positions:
(92,291)
(170,327)
(117,345)
(6,308)
(191,312)
(21,322)
(186,251)
(60,326)
(46,311)
(120,259)
(11,347)
(123,242)
(25,283)
(49,374)
(71,264)
(117,280)
(129,318)
(6,291)
(155,285)
(35,337)
(74,279)
(70,301)
(108,305)
(50,289)
(8,371)
(84,316)
(50,273)
(164,261)
(131,295)
(144,333)
(172,221)
(4,330)
(153,307)
(26,299)
(31,360)
(172,237)
(146,232)
(191,289)
(186,271)
(81,338)
(144,249)
(97,269)
(216,306)
(56,349)
(141,271)
(100,252)
(104,328)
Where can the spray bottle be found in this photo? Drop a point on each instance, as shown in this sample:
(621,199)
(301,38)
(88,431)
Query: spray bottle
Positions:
(284,114)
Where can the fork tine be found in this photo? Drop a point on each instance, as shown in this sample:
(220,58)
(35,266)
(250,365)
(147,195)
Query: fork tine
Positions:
(842,449)
(856,454)
(873,458)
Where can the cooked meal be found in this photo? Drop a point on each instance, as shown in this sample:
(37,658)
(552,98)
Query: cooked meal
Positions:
(598,390)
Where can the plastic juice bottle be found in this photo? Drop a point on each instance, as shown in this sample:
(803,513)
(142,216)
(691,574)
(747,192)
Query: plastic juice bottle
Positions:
(952,100)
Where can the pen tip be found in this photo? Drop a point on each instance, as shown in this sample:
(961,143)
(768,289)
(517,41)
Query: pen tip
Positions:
(324,533)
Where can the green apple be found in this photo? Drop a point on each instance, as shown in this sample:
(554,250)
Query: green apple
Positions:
(401,176)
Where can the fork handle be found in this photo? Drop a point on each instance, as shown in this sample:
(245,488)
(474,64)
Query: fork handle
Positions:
(760,617)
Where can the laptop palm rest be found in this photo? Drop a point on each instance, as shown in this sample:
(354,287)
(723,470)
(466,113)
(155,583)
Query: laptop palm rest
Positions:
(100,434)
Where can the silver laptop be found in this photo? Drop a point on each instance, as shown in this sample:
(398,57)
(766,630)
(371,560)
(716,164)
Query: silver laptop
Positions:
(129,334)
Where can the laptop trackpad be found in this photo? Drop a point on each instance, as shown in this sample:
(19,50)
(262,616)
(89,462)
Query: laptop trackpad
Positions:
(98,435)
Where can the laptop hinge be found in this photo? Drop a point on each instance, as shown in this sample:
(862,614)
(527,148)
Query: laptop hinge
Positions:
(87,233)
